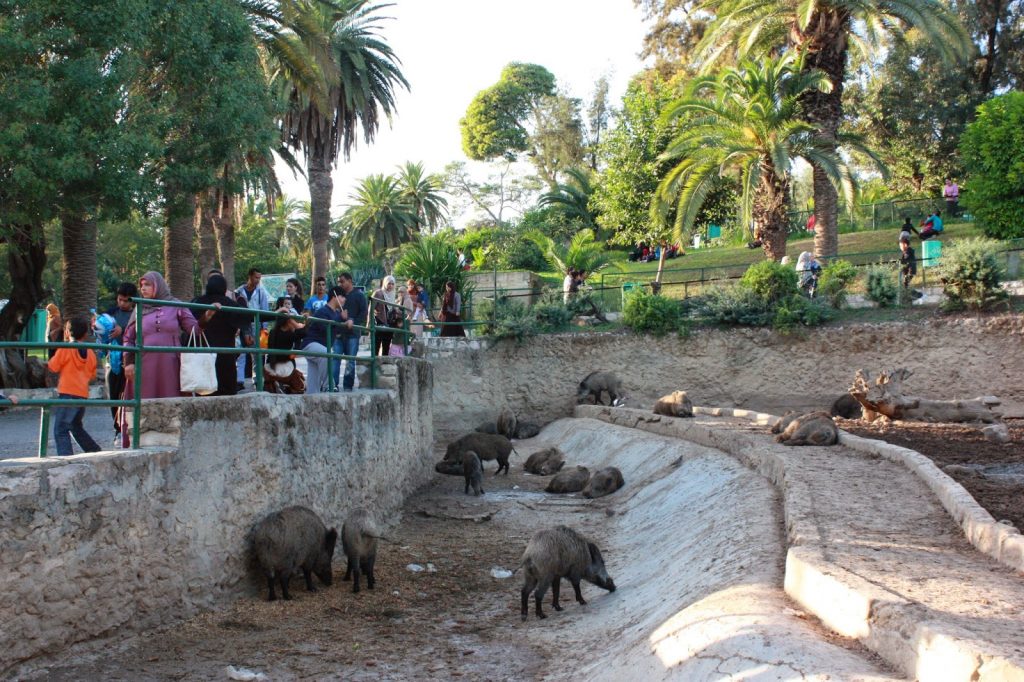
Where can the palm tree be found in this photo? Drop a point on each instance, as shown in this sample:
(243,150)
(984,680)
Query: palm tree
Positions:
(363,263)
(573,197)
(751,127)
(582,253)
(367,76)
(378,214)
(423,193)
(822,31)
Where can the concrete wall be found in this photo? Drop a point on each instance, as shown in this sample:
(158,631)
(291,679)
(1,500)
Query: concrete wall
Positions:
(517,283)
(754,369)
(96,544)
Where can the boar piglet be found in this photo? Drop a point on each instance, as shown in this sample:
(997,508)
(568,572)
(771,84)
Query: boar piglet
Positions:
(359,537)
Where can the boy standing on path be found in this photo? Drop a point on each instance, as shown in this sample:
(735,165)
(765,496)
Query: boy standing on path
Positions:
(76,367)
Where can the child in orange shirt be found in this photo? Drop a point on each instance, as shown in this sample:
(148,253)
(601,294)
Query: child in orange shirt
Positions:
(77,367)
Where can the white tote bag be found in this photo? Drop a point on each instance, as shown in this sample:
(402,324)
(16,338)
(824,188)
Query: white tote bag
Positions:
(198,370)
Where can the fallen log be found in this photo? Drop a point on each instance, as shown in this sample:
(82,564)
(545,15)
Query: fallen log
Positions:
(886,398)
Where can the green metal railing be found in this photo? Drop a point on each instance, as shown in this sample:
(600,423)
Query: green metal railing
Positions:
(257,316)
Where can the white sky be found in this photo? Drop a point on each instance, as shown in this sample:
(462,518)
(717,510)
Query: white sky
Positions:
(452,49)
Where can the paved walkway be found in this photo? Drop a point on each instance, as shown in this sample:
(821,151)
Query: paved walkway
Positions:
(937,607)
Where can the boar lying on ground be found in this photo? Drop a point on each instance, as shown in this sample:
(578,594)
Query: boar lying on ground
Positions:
(449,468)
(569,480)
(527,430)
(603,482)
(487,446)
(290,539)
(847,407)
(596,383)
(676,404)
(359,537)
(545,462)
(813,428)
(780,425)
(473,472)
(555,554)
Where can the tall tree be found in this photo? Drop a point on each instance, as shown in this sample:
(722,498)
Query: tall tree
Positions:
(572,198)
(363,90)
(379,214)
(748,124)
(423,193)
(505,192)
(822,31)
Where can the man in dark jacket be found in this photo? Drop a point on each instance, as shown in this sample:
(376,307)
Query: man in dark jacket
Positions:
(348,338)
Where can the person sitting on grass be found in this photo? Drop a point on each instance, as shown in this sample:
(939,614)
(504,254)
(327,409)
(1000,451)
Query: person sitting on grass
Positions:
(932,226)
(76,367)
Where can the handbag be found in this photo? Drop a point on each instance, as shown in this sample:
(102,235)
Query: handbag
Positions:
(198,372)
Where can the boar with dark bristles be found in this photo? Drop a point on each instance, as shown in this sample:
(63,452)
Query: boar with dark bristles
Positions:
(487,447)
(291,539)
(569,480)
(473,472)
(813,428)
(359,537)
(545,462)
(555,554)
(603,482)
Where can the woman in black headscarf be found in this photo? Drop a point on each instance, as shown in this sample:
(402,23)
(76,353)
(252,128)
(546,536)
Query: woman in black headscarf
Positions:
(220,327)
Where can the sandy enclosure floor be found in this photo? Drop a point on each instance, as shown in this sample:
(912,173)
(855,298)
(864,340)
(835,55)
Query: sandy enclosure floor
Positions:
(694,542)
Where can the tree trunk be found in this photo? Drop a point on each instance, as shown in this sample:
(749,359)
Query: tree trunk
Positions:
(825,41)
(26,259)
(321,187)
(178,252)
(224,229)
(771,201)
(886,398)
(205,237)
(78,267)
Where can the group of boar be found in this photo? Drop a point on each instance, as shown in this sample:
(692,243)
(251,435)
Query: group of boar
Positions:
(295,538)
(551,460)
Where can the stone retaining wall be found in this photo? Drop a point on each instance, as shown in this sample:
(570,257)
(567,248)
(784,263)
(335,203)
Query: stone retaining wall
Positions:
(749,368)
(94,545)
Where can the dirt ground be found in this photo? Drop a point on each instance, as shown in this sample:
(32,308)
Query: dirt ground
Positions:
(993,473)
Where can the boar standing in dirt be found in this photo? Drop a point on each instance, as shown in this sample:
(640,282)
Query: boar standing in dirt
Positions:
(474,472)
(545,462)
(290,539)
(569,481)
(676,404)
(555,554)
(527,430)
(596,383)
(847,407)
(604,482)
(813,428)
(359,537)
(487,446)
(506,424)
(487,427)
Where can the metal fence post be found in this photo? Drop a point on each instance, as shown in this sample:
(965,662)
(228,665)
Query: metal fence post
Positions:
(137,410)
(257,357)
(373,349)
(44,428)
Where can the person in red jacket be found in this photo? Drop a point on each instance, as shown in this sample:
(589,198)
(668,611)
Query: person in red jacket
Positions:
(76,367)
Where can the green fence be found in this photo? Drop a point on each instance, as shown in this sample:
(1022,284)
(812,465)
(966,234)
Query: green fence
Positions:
(257,316)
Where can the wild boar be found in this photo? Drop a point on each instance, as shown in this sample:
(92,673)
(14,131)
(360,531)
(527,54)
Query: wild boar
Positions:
(603,482)
(782,422)
(290,539)
(813,428)
(486,446)
(506,424)
(597,383)
(847,407)
(569,481)
(545,462)
(359,537)
(555,554)
(487,427)
(676,404)
(527,430)
(449,468)
(474,472)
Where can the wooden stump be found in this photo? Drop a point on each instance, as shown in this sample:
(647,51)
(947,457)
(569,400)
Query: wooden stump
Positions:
(886,398)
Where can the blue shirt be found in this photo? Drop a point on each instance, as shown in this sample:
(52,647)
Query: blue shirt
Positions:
(315,303)
(318,332)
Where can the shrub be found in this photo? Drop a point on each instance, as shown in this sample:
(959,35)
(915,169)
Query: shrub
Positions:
(735,305)
(882,283)
(799,311)
(551,313)
(970,273)
(652,313)
(834,280)
(992,150)
(522,254)
(514,320)
(770,281)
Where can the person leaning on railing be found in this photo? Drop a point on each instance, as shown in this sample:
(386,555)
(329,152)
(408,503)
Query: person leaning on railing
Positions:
(161,326)
(319,337)
(220,328)
(12,398)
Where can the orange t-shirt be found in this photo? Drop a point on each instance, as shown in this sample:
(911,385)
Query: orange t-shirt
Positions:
(75,371)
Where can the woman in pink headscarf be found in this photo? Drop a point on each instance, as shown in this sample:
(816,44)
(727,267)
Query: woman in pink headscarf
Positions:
(161,326)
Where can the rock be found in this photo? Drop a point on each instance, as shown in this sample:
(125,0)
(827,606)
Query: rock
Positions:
(997,433)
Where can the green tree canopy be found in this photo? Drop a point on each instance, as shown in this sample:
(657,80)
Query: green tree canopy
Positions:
(992,149)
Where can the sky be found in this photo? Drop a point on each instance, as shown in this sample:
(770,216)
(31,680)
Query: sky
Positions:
(452,49)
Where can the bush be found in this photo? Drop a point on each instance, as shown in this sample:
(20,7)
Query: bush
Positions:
(770,281)
(992,150)
(834,280)
(970,273)
(883,285)
(514,320)
(651,313)
(735,305)
(799,311)
(522,254)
